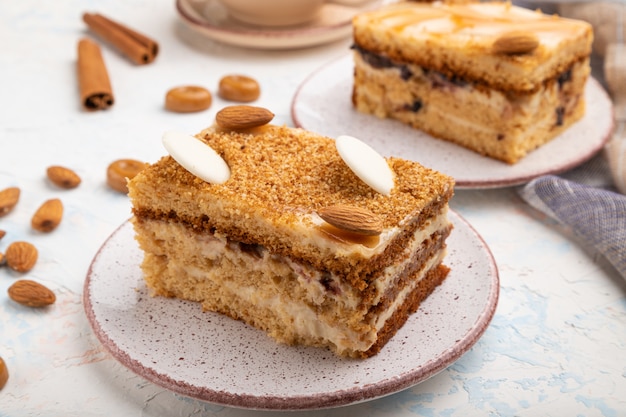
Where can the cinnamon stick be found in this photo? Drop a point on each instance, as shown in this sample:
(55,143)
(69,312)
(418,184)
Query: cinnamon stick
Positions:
(93,78)
(137,47)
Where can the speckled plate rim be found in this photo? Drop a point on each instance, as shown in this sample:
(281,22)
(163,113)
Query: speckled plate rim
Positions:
(234,33)
(322,103)
(463,237)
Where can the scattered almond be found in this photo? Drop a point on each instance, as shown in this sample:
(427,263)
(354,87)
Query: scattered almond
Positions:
(243,117)
(4,373)
(63,177)
(515,43)
(3,259)
(48,216)
(2,233)
(31,293)
(8,199)
(21,256)
(352,219)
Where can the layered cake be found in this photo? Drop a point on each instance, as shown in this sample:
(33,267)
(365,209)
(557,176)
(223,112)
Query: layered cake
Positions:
(498,79)
(292,241)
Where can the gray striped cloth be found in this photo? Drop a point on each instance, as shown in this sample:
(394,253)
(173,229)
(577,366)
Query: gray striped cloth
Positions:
(587,200)
(597,216)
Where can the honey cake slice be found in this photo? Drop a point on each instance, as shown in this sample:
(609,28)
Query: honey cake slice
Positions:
(256,248)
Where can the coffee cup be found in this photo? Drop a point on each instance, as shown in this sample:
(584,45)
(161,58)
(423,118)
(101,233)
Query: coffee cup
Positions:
(273,12)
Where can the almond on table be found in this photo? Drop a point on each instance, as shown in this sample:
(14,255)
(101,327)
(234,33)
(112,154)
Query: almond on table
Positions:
(4,373)
(8,199)
(31,293)
(21,256)
(48,216)
(63,177)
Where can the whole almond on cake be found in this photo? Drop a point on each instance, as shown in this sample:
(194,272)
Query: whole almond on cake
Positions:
(352,219)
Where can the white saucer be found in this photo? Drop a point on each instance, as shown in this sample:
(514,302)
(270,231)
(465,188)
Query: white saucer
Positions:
(210,18)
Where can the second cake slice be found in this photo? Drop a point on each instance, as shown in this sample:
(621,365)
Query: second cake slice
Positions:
(498,79)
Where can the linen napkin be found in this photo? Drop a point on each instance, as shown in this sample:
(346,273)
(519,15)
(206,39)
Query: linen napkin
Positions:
(597,216)
(590,200)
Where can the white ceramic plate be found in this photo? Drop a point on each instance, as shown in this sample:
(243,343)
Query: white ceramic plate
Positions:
(211,357)
(323,104)
(210,18)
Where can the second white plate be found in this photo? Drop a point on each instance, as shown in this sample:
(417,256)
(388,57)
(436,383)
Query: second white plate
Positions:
(323,104)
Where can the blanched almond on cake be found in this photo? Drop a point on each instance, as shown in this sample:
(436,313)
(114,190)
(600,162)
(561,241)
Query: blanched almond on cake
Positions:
(515,43)
(48,216)
(352,219)
(366,163)
(63,177)
(243,117)
(196,157)
(8,199)
(31,293)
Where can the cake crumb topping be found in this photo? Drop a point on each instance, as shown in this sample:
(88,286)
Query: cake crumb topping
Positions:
(283,173)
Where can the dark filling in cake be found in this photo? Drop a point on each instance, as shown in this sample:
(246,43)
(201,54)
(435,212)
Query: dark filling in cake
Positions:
(438,79)
(441,81)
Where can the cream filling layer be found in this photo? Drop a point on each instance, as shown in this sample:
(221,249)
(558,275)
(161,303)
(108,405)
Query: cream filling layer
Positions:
(308,324)
(300,313)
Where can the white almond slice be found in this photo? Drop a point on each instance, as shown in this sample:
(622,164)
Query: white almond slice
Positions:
(196,157)
(366,163)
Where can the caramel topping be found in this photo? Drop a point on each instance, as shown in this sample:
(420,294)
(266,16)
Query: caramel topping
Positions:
(486,20)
